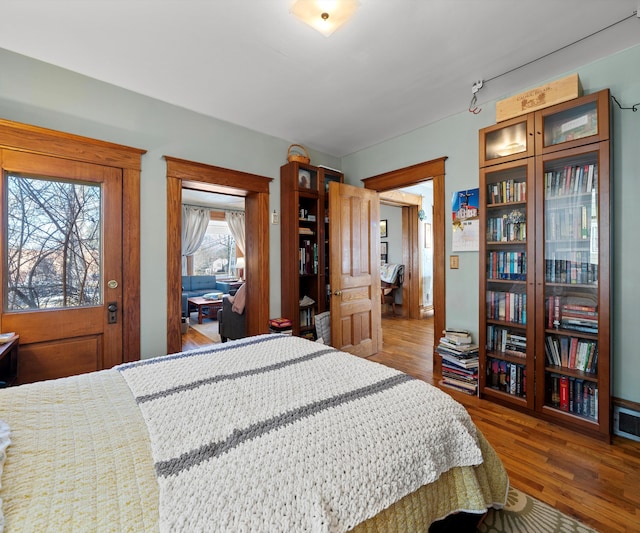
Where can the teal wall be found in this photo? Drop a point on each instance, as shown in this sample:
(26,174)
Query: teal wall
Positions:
(40,94)
(457,138)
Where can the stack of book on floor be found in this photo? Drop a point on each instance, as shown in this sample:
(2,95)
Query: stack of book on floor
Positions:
(459,361)
(280,325)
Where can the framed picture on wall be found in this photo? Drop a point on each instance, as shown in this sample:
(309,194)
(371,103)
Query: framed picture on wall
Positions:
(383,228)
(383,252)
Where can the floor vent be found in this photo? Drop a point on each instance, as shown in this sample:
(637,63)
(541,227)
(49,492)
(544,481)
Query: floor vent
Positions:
(626,423)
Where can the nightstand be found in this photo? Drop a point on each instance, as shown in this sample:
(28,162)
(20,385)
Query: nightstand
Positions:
(9,362)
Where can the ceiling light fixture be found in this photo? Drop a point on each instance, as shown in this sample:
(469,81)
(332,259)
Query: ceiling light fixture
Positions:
(326,16)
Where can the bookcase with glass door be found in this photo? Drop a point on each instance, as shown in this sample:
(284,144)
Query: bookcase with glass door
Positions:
(544,306)
(304,193)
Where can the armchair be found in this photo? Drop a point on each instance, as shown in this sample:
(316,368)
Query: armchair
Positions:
(231,324)
(391,279)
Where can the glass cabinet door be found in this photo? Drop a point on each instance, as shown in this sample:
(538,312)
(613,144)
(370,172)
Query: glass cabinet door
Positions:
(573,123)
(571,311)
(307,178)
(509,140)
(506,339)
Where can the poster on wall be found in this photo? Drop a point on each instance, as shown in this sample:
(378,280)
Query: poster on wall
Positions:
(465,220)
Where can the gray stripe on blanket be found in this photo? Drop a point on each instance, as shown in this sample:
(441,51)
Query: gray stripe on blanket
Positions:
(193,458)
(229,377)
(221,347)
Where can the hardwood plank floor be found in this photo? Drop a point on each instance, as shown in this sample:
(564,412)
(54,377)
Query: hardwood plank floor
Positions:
(194,339)
(595,482)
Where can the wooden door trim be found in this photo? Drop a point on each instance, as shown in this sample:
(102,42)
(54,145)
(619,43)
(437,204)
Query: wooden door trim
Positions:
(37,140)
(429,170)
(255,189)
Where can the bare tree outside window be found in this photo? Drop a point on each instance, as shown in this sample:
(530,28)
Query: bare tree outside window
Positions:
(53,243)
(217,253)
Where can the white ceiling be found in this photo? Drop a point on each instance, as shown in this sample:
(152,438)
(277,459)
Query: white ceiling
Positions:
(396,66)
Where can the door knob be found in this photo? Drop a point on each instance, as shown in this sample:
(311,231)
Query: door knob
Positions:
(112,312)
(338,293)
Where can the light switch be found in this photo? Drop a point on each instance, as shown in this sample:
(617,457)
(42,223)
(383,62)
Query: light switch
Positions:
(453,261)
(275,218)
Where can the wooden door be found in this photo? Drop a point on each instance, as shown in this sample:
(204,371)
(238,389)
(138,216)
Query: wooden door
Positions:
(61,264)
(354,237)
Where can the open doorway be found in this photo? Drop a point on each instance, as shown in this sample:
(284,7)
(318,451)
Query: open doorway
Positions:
(255,191)
(433,170)
(215,242)
(403,247)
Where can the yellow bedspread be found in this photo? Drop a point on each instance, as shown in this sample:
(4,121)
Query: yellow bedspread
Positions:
(79,457)
(80,460)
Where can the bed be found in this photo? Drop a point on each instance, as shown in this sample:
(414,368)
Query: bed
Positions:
(267,433)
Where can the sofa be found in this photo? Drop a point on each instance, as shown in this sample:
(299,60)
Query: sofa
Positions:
(201,285)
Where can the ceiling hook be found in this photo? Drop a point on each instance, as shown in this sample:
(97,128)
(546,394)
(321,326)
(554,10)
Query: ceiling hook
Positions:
(473,107)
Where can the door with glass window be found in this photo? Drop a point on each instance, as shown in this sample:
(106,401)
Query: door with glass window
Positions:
(61,265)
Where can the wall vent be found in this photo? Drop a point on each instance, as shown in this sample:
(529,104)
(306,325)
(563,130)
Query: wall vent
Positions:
(626,423)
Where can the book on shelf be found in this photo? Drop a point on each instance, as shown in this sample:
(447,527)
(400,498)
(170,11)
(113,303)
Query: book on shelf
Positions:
(502,339)
(508,191)
(307,317)
(564,393)
(573,395)
(507,377)
(571,180)
(572,352)
(571,316)
(507,306)
(308,260)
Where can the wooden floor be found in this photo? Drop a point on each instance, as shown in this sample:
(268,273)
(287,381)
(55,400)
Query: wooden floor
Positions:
(194,339)
(597,483)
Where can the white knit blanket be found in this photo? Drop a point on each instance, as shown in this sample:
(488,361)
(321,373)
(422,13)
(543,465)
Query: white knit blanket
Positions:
(277,433)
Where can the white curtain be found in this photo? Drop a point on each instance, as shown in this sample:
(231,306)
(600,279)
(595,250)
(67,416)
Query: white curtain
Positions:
(235,220)
(195,221)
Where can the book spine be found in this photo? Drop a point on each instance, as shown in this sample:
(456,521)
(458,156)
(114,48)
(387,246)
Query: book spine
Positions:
(564,393)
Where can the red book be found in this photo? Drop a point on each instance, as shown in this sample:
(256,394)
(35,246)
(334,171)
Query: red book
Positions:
(573,348)
(564,393)
(281,323)
(556,311)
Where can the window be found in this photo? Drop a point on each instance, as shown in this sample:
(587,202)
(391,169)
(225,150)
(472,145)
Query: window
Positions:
(217,253)
(53,243)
